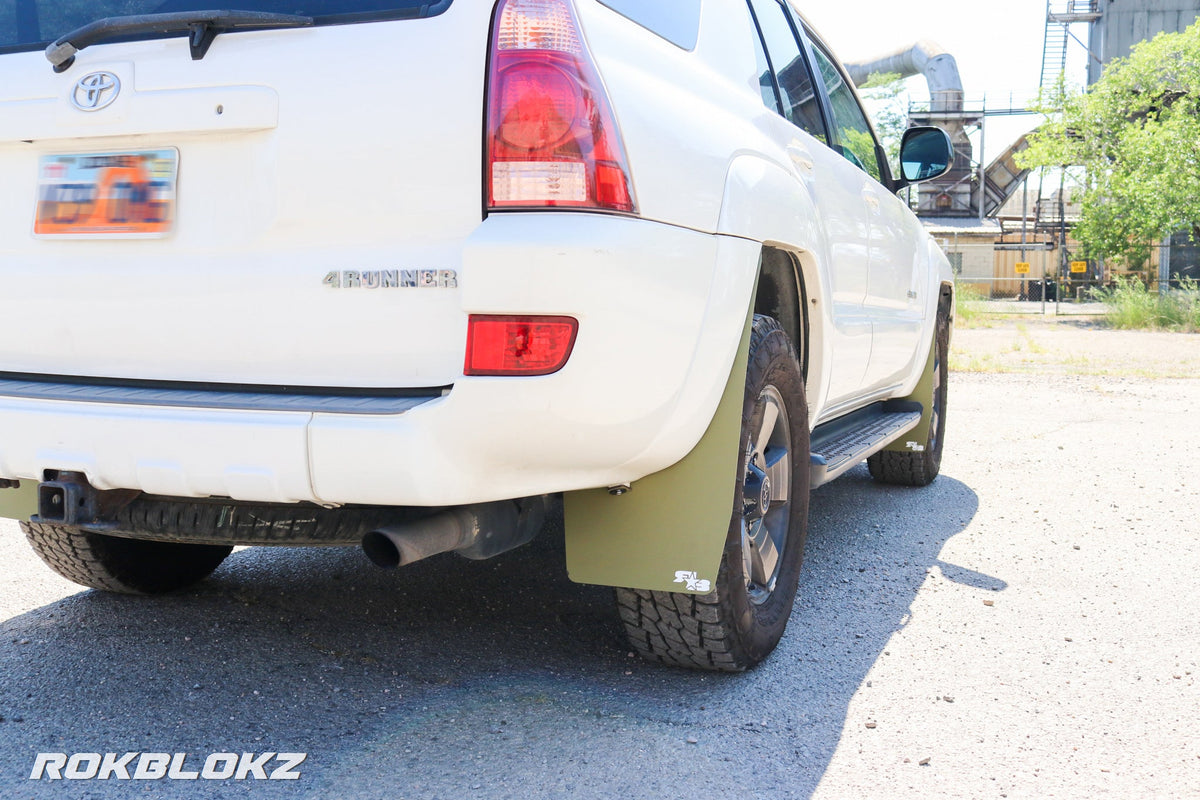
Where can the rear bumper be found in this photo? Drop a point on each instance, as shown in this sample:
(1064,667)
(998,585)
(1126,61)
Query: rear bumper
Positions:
(660,312)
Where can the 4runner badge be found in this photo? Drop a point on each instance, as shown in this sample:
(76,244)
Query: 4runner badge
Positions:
(692,583)
(392,279)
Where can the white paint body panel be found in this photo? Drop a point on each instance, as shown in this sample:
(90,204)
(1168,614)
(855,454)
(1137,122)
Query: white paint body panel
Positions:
(322,160)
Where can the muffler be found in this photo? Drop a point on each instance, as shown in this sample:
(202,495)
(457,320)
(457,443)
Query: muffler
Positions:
(477,532)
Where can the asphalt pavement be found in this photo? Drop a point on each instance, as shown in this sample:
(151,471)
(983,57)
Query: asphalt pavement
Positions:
(1024,627)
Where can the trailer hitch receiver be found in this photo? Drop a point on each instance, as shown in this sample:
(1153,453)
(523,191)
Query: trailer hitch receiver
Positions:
(67,500)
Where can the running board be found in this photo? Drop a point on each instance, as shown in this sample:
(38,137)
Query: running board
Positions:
(843,443)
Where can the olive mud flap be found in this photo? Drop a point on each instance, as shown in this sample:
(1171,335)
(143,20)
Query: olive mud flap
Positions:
(916,438)
(668,532)
(20,503)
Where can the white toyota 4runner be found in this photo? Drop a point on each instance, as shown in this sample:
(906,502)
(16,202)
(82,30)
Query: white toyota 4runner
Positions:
(407,273)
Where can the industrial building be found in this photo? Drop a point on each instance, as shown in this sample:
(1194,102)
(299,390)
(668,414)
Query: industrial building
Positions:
(986,214)
(1120,24)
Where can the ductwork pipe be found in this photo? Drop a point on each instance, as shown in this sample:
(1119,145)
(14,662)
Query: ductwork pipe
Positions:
(922,58)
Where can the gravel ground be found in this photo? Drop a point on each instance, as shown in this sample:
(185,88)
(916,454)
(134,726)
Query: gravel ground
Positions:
(1072,345)
(1025,627)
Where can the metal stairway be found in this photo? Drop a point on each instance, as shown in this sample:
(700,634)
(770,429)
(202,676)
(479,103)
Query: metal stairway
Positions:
(1003,177)
(1060,16)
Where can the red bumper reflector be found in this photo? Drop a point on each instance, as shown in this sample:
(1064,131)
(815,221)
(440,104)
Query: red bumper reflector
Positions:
(512,345)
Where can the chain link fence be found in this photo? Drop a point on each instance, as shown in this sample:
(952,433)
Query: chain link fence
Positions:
(1001,279)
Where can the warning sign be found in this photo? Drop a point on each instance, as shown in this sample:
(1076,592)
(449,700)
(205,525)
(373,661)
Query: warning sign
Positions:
(1022,267)
(1078,266)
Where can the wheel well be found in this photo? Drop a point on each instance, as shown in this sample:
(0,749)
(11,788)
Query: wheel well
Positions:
(781,295)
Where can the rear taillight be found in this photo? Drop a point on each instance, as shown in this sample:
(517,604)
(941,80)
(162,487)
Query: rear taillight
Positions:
(552,139)
(518,345)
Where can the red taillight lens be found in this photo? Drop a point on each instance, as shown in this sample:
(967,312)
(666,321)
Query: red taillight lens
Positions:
(540,106)
(510,345)
(552,137)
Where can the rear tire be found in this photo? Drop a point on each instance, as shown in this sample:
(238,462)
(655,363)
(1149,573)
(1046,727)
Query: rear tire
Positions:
(116,564)
(919,469)
(738,623)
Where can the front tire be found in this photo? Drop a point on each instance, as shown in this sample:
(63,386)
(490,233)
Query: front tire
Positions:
(919,469)
(117,564)
(738,623)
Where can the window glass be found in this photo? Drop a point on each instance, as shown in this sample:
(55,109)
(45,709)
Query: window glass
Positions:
(796,91)
(766,81)
(849,122)
(677,21)
(25,24)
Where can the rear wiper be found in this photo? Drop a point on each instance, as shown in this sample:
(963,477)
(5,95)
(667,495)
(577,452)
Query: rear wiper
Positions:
(201,26)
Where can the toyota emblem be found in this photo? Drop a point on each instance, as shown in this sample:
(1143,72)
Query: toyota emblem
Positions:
(95,91)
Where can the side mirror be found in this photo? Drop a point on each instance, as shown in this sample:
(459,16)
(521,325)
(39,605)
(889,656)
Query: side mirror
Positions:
(925,153)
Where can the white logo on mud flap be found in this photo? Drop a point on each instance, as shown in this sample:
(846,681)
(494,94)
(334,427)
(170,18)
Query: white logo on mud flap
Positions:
(693,584)
(916,448)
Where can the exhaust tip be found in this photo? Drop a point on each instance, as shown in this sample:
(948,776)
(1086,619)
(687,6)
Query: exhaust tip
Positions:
(381,550)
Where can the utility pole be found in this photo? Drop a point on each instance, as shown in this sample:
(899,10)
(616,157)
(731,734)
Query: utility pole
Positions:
(982,164)
(1062,237)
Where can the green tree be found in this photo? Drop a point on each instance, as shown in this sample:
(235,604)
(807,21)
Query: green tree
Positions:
(886,101)
(1136,133)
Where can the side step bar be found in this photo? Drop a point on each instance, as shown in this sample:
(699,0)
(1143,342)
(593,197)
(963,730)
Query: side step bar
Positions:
(843,443)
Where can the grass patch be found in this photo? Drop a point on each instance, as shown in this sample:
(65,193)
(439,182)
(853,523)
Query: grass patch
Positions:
(967,362)
(968,305)
(1131,306)
(1027,340)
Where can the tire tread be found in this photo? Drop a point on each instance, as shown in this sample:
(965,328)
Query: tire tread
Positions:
(123,566)
(916,468)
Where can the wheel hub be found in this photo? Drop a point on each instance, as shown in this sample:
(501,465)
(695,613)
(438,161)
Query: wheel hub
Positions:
(756,494)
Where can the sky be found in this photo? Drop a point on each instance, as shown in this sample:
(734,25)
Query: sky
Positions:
(998,46)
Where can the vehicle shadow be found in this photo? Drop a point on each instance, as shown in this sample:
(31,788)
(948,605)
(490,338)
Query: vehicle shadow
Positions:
(500,678)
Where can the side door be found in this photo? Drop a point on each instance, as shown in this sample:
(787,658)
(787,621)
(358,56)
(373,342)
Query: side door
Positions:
(896,280)
(788,86)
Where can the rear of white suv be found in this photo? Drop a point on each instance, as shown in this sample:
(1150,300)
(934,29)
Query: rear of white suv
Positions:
(293,300)
(399,272)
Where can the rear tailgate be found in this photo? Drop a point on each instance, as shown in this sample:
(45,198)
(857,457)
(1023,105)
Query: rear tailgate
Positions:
(326,179)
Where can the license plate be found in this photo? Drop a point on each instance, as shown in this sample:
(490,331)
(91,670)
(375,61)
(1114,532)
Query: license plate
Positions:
(107,195)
